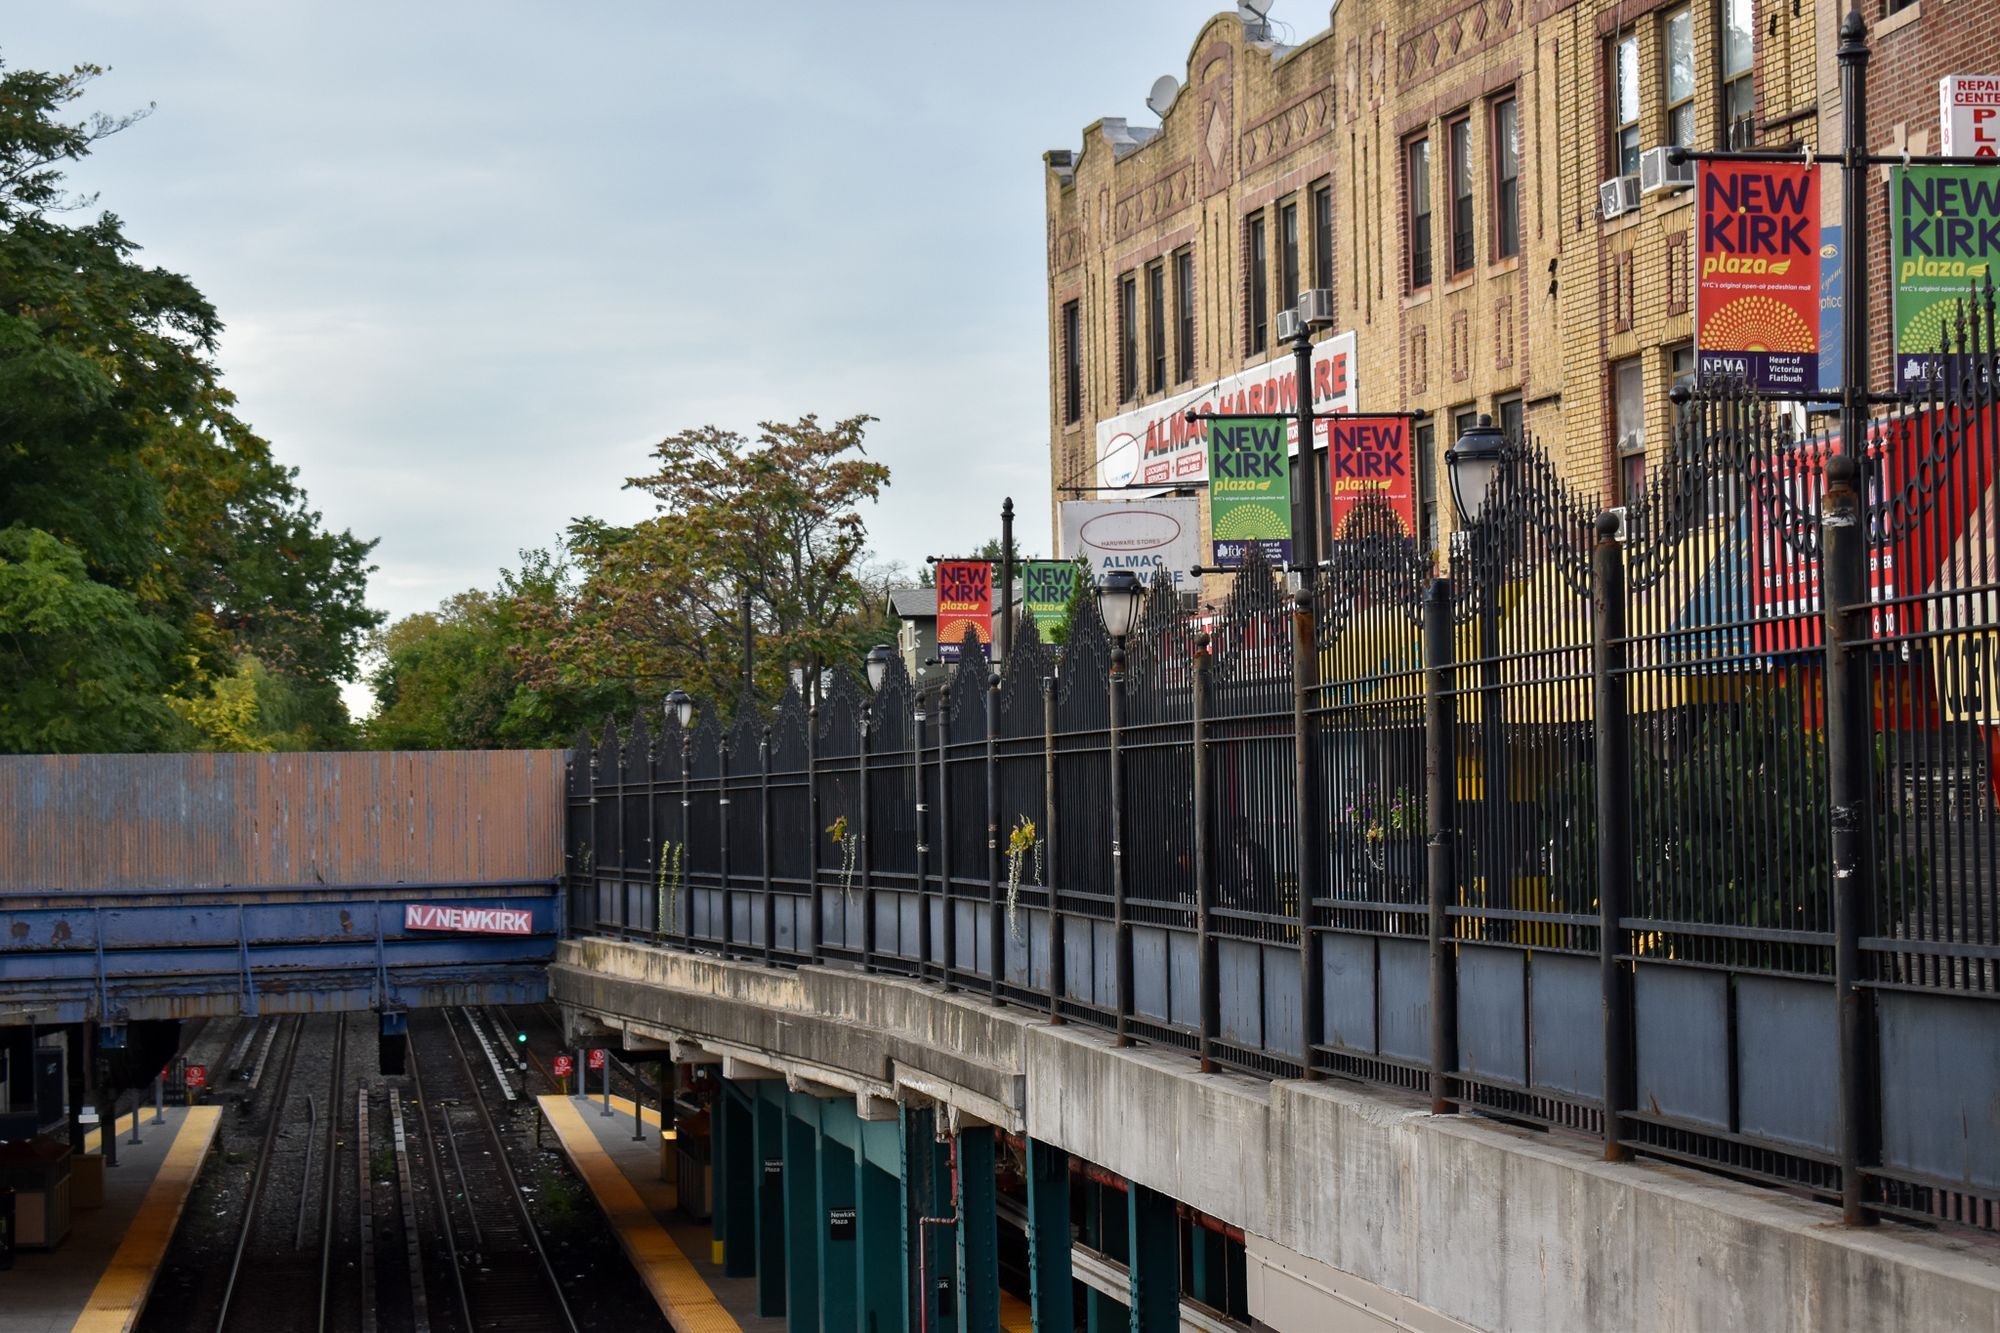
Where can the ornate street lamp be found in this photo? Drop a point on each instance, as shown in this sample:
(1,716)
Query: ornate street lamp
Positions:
(680,708)
(878,660)
(1475,463)
(1118,599)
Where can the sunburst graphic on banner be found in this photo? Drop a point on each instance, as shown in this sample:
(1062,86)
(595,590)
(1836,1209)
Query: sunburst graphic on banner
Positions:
(1250,523)
(1757,324)
(1925,330)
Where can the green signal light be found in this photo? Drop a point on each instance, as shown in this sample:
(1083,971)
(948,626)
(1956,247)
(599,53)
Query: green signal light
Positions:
(521,1037)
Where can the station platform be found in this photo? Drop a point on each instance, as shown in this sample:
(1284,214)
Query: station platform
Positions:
(671,1255)
(97,1280)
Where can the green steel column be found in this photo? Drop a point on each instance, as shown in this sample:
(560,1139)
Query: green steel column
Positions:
(1207,1282)
(770,1195)
(1104,1231)
(837,1221)
(736,1178)
(926,1193)
(978,1233)
(1049,1279)
(802,1236)
(1153,1233)
(879,1248)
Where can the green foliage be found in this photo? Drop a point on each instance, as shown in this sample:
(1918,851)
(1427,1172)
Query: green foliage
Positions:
(219,587)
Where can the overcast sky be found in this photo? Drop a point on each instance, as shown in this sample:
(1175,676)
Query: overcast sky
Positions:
(474,259)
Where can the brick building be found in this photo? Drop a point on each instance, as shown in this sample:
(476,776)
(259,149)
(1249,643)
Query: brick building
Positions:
(1440,166)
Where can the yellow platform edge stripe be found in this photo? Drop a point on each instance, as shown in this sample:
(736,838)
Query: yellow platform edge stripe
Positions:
(677,1287)
(1015,1317)
(120,1293)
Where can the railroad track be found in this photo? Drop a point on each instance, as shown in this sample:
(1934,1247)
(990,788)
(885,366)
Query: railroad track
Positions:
(281,1273)
(501,1276)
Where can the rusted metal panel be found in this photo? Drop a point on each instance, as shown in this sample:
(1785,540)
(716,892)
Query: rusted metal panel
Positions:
(79,822)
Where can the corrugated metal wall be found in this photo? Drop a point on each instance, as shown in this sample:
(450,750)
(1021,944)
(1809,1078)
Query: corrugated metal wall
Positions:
(116,821)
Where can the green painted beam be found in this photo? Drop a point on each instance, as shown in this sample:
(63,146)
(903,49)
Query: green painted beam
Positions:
(1153,1235)
(837,1223)
(879,1252)
(978,1256)
(802,1235)
(770,1196)
(735,1166)
(1049,1277)
(927,1250)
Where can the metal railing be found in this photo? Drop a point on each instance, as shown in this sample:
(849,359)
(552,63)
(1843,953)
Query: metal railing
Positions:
(1552,836)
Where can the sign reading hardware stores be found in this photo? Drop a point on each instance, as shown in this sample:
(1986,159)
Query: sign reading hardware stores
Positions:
(1156,445)
(1144,536)
(469,920)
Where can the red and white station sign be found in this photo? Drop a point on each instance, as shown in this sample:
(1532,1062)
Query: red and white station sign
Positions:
(197,1076)
(597,1057)
(468,920)
(562,1066)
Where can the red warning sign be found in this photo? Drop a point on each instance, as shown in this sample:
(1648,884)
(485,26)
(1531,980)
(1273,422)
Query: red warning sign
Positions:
(562,1066)
(598,1055)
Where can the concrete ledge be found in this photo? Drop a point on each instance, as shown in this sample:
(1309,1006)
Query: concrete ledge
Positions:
(1495,1227)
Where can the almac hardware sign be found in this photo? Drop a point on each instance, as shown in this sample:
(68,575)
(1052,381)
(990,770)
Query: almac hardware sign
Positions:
(468,920)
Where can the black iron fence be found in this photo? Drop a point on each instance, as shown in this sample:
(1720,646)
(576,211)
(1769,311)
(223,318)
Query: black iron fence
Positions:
(1553,836)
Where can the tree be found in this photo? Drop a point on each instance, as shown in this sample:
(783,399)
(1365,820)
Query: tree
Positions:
(119,445)
(777,518)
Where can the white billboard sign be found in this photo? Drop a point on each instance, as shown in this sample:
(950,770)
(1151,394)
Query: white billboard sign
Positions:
(1156,445)
(1143,536)
(1969,114)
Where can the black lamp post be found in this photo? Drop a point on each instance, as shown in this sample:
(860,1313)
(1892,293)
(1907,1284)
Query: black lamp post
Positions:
(877,662)
(1118,599)
(1475,462)
(680,711)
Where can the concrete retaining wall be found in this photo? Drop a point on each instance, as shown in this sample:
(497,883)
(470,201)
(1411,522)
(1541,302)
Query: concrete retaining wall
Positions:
(1496,1227)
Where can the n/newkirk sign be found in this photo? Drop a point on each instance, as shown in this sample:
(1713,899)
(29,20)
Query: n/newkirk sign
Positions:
(468,920)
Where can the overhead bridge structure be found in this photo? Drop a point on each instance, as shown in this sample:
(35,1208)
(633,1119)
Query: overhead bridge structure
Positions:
(149,887)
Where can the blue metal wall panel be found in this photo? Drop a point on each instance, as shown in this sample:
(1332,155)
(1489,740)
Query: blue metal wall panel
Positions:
(1240,966)
(1492,1013)
(1149,973)
(1941,1086)
(1566,1004)
(1184,974)
(1683,1042)
(1347,987)
(1281,1002)
(1786,1088)
(1405,1012)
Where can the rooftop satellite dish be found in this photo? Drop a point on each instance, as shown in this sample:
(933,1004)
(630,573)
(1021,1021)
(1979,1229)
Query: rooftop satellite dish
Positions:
(1165,89)
(1261,8)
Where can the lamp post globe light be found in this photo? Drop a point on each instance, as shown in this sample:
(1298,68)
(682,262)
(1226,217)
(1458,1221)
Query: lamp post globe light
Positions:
(680,708)
(1474,462)
(1118,600)
(878,660)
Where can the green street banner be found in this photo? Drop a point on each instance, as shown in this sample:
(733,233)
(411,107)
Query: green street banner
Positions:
(1947,241)
(1045,590)
(1249,489)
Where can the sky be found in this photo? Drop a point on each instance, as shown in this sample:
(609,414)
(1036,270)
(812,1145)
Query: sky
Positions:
(475,259)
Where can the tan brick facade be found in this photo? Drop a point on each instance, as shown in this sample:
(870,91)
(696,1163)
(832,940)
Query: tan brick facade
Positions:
(1256,126)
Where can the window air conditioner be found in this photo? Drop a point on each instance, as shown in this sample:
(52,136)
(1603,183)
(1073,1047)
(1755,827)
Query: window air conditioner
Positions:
(1289,326)
(1657,173)
(1316,306)
(1617,197)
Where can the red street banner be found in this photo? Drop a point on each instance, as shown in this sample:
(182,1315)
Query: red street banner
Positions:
(469,920)
(964,598)
(597,1057)
(562,1066)
(1368,465)
(1756,295)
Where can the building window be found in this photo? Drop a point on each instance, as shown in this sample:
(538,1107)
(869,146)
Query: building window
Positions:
(1288,255)
(1739,94)
(1678,32)
(1184,316)
(1128,338)
(1625,106)
(1628,426)
(1424,444)
(1460,132)
(1507,179)
(1680,365)
(1156,327)
(1507,412)
(1257,271)
(1418,166)
(1072,363)
(1322,222)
